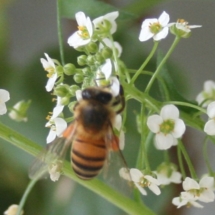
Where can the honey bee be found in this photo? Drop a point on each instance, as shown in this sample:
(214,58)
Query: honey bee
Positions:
(91,135)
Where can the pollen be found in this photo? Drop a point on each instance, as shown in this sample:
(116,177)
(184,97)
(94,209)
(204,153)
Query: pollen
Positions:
(83,32)
(167,126)
(155,27)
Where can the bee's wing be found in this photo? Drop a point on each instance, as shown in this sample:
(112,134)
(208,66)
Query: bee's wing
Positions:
(55,152)
(114,164)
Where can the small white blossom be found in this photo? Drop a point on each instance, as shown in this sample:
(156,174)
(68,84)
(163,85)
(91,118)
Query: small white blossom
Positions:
(50,67)
(210,124)
(141,181)
(167,126)
(156,28)
(181,28)
(55,171)
(185,199)
(57,126)
(208,93)
(166,174)
(85,31)
(4,97)
(203,190)
(18,113)
(100,22)
(12,210)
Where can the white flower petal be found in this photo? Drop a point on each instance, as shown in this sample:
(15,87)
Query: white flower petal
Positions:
(155,189)
(51,82)
(189,184)
(78,94)
(142,190)
(121,140)
(176,177)
(61,125)
(162,34)
(154,122)
(179,128)
(107,68)
(136,174)
(211,110)
(118,122)
(163,142)
(4,96)
(164,18)
(207,182)
(115,86)
(210,127)
(51,136)
(207,196)
(169,112)
(3,109)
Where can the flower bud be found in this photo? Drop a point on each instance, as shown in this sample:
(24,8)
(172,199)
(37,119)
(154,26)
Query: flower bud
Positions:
(65,100)
(69,69)
(90,60)
(99,58)
(92,47)
(78,78)
(106,52)
(61,90)
(73,89)
(59,70)
(82,60)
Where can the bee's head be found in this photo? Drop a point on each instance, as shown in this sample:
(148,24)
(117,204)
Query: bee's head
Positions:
(97,94)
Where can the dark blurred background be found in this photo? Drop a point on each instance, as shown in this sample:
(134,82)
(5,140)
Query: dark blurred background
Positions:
(28,29)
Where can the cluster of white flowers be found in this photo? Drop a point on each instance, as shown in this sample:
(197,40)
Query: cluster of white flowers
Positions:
(194,191)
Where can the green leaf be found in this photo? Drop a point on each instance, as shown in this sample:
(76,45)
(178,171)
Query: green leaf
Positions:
(169,85)
(141,6)
(92,8)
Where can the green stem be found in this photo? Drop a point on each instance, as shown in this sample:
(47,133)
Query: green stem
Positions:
(59,31)
(25,195)
(205,154)
(180,161)
(145,62)
(187,105)
(125,203)
(187,158)
(175,42)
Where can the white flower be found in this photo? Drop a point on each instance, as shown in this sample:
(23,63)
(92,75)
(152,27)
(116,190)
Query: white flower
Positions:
(78,94)
(181,28)
(208,93)
(186,199)
(156,28)
(57,126)
(203,191)
(18,113)
(106,22)
(210,124)
(4,97)
(166,174)
(167,126)
(55,171)
(85,31)
(125,173)
(12,210)
(142,181)
(50,67)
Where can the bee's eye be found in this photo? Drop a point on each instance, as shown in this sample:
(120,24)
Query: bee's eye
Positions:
(97,95)
(104,97)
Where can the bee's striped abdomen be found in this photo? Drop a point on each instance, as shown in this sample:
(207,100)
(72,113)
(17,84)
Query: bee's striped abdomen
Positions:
(88,158)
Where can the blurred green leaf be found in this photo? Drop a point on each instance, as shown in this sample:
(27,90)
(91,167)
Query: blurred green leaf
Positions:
(92,8)
(138,7)
(171,86)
